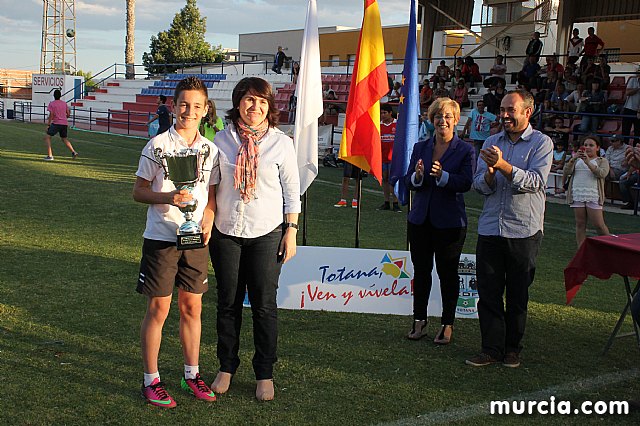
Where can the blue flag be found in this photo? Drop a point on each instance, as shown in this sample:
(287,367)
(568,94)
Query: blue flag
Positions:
(408,114)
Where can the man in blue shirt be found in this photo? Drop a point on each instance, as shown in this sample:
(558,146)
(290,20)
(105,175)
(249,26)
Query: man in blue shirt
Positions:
(511,174)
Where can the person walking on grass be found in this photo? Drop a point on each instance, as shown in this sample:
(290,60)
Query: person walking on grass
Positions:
(162,265)
(512,175)
(57,122)
(585,174)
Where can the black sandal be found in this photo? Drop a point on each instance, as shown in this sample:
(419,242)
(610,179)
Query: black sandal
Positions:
(418,330)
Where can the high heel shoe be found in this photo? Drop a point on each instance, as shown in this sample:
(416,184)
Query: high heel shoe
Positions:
(445,335)
(222,382)
(418,330)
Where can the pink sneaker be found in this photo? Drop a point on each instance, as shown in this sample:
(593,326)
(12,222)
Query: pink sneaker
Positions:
(157,395)
(198,388)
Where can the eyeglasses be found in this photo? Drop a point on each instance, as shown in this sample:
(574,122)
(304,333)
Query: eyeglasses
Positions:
(443,117)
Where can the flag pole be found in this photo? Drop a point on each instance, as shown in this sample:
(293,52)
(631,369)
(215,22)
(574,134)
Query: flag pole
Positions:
(359,197)
(408,210)
(304,218)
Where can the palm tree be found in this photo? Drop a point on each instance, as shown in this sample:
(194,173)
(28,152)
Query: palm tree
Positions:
(129,50)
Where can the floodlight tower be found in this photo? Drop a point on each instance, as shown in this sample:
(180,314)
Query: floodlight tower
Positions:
(58,53)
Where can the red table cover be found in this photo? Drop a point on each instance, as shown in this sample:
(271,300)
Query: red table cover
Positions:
(602,257)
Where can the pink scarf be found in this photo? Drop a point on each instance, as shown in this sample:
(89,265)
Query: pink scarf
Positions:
(246,173)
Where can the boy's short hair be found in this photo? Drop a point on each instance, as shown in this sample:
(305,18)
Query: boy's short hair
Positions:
(190,83)
(386,107)
(57,94)
(163,98)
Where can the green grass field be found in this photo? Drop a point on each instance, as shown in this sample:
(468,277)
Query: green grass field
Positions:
(71,235)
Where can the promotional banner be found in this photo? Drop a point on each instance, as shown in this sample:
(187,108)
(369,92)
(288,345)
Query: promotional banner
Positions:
(367,281)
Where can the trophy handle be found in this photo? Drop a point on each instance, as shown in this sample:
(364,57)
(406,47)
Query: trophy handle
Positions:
(157,153)
(205,155)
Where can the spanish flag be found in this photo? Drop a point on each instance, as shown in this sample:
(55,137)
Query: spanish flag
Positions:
(360,143)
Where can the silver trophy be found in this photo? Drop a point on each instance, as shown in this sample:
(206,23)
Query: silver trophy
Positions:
(184,169)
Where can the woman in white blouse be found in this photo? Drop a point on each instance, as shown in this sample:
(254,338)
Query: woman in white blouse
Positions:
(584,175)
(257,206)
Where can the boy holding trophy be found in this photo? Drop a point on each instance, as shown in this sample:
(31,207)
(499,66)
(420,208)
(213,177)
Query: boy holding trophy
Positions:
(172,197)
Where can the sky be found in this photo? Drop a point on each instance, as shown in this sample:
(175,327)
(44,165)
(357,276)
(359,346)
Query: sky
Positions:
(100,25)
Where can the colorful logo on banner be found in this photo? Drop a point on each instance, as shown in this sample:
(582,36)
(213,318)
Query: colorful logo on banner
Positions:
(468,299)
(397,268)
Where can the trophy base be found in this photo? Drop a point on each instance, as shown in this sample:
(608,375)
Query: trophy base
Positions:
(190,241)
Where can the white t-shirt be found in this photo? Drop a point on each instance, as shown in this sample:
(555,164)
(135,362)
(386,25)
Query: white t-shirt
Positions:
(163,220)
(277,185)
(633,101)
(575,46)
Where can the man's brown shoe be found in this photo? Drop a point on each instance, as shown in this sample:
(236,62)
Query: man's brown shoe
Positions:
(511,360)
(481,360)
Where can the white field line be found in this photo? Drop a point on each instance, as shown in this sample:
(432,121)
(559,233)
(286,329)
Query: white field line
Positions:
(482,409)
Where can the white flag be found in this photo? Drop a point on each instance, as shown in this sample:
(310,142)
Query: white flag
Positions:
(309,97)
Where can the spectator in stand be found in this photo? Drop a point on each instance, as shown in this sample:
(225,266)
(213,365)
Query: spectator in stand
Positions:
(558,98)
(458,64)
(548,86)
(461,95)
(529,74)
(293,104)
(632,177)
(615,155)
(426,127)
(478,126)
(457,76)
(558,132)
(471,71)
(569,78)
(559,158)
(554,65)
(534,48)
(278,61)
(295,71)
(441,91)
(573,100)
(589,71)
(498,71)
(632,108)
(603,69)
(592,46)
(442,72)
(585,194)
(576,44)
(493,97)
(390,84)
(593,101)
(426,95)
(387,137)
(329,94)
(395,93)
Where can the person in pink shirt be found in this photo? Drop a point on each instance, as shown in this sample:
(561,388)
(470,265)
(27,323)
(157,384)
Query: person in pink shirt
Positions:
(57,123)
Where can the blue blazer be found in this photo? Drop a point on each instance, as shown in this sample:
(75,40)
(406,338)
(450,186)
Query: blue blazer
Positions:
(442,205)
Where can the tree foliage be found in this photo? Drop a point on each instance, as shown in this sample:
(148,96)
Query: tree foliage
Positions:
(184,42)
